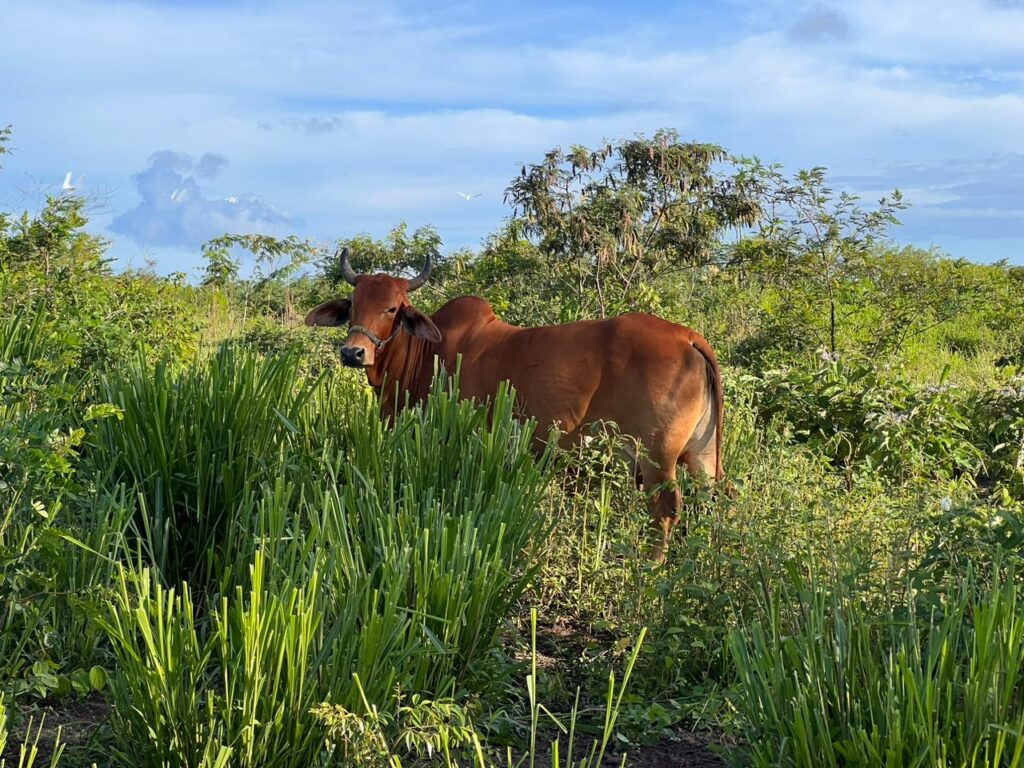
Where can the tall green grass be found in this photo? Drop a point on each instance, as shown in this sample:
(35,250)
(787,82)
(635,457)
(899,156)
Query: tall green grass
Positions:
(195,443)
(389,556)
(432,732)
(842,687)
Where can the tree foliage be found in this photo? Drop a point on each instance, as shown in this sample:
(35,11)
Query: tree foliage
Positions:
(399,252)
(276,262)
(811,242)
(50,260)
(612,219)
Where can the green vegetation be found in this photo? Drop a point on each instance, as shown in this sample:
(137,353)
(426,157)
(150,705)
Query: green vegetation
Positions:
(210,541)
(843,686)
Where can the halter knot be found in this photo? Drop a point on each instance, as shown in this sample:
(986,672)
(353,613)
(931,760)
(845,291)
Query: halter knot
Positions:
(378,342)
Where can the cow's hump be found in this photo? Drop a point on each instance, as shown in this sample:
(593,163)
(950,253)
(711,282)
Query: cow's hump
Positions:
(465,311)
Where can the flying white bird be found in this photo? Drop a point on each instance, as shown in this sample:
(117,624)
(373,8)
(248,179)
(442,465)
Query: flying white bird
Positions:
(68,186)
(231,199)
(178,195)
(464,196)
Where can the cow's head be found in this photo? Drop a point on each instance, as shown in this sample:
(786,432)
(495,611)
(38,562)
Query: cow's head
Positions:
(377,310)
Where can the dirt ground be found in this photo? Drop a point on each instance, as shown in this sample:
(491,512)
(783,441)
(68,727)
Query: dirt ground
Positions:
(78,720)
(681,750)
(684,750)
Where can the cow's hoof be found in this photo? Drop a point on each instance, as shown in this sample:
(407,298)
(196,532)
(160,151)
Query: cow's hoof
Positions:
(656,555)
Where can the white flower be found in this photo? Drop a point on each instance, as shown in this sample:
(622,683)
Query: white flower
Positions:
(946,503)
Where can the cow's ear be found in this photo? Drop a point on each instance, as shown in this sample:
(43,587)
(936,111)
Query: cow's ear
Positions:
(418,324)
(334,312)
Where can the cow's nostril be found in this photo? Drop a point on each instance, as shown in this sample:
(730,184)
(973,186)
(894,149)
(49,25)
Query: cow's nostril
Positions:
(353,355)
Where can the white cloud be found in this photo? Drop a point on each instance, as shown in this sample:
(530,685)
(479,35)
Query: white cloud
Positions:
(357,116)
(980,197)
(174,210)
(939,32)
(820,23)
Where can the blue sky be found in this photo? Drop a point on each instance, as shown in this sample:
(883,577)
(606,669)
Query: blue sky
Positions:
(183,119)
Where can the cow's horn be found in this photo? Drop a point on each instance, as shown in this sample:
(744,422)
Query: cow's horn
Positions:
(421,278)
(346,269)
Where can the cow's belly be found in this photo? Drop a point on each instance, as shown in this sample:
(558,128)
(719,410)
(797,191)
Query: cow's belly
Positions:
(555,396)
(572,397)
(606,371)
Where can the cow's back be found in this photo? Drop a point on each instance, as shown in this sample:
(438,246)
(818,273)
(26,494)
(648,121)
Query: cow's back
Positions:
(634,369)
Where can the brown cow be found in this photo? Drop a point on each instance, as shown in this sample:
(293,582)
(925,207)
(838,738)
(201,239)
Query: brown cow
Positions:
(658,381)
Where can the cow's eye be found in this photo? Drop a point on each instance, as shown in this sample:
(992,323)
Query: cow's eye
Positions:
(392,310)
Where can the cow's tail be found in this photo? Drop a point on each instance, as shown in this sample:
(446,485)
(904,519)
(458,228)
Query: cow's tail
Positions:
(715,381)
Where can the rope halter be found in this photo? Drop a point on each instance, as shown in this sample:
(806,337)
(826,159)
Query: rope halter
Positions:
(378,342)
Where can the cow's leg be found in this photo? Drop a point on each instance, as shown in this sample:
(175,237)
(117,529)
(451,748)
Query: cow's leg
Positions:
(663,501)
(689,441)
(700,455)
(700,462)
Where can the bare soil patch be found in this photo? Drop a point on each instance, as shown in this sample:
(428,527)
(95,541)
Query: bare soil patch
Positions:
(76,719)
(683,750)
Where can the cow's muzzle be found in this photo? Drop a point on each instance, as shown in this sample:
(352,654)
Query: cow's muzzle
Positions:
(353,357)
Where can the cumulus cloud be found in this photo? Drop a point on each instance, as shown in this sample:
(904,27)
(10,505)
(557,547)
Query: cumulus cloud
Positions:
(174,210)
(361,114)
(314,125)
(820,23)
(210,164)
(969,197)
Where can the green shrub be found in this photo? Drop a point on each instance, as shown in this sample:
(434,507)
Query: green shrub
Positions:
(48,586)
(195,444)
(999,429)
(856,413)
(318,349)
(391,554)
(94,318)
(839,686)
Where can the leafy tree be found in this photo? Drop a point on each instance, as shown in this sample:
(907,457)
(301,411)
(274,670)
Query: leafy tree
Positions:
(511,273)
(276,258)
(907,292)
(221,267)
(277,262)
(611,220)
(398,252)
(810,243)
